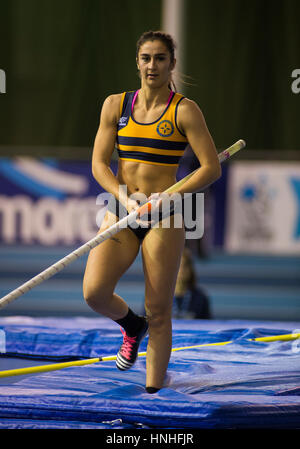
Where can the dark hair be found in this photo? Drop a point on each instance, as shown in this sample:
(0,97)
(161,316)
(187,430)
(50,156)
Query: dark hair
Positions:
(163,37)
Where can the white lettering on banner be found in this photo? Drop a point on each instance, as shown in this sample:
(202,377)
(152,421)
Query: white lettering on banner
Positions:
(16,212)
(47,221)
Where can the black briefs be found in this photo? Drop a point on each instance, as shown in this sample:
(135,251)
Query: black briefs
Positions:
(120,211)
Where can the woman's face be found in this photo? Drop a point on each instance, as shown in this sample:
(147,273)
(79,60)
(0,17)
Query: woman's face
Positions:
(154,63)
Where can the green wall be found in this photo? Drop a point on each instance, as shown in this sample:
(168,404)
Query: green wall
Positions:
(242,54)
(62,58)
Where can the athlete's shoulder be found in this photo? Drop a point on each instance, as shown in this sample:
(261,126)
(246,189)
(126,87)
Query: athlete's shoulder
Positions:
(188,108)
(189,115)
(187,104)
(111,107)
(113,99)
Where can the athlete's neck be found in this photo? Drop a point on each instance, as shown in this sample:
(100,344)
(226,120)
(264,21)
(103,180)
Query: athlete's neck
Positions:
(152,98)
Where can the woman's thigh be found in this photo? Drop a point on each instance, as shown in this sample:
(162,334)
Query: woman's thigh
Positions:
(161,250)
(108,261)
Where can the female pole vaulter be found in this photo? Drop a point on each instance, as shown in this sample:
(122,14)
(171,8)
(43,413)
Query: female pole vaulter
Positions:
(151,127)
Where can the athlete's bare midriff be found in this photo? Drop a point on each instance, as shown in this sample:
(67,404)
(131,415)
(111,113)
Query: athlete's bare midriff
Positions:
(145,178)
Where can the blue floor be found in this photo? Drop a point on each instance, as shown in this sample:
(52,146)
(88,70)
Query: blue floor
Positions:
(243,384)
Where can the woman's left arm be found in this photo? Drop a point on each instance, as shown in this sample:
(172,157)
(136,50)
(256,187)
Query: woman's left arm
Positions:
(191,122)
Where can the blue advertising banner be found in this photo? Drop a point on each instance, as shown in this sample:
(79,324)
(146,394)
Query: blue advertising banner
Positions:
(47,202)
(55,202)
(263,214)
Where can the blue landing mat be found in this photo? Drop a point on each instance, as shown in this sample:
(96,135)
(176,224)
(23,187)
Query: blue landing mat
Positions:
(240,385)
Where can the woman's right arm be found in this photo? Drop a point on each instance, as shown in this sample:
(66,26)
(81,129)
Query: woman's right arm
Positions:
(104,146)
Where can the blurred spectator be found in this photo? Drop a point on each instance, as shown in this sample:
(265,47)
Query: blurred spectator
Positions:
(190,301)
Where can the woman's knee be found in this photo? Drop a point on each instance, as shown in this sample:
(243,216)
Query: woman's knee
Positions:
(159,316)
(95,295)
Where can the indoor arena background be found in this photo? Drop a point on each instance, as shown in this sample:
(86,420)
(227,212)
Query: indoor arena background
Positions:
(239,61)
